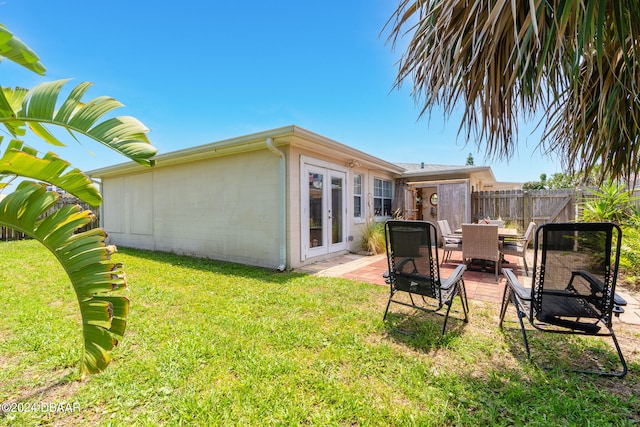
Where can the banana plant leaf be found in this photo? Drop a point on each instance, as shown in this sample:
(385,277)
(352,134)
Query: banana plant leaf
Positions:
(85,258)
(23,161)
(43,107)
(12,48)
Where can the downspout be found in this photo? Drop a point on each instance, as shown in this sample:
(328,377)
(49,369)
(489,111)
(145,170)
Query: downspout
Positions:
(282,224)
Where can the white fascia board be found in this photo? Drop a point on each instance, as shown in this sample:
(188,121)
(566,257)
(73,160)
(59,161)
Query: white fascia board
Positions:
(482,172)
(256,141)
(242,144)
(321,144)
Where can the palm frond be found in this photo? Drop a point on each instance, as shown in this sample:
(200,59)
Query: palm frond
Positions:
(477,54)
(508,60)
(598,122)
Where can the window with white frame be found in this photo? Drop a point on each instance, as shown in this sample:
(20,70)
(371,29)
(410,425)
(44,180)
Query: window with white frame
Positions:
(382,196)
(358,206)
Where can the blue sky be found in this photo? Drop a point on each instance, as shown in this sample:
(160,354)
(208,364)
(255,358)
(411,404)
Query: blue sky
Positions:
(196,72)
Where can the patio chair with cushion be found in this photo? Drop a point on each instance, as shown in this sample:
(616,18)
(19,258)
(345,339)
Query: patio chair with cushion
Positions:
(573,286)
(518,247)
(481,242)
(412,256)
(451,241)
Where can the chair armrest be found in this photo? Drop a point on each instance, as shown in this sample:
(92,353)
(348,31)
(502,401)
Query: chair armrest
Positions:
(618,300)
(387,277)
(513,242)
(513,282)
(597,285)
(512,238)
(454,277)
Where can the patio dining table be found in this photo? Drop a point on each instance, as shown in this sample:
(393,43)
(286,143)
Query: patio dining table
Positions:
(503,232)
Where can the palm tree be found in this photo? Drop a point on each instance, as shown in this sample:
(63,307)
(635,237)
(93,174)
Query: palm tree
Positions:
(575,63)
(84,256)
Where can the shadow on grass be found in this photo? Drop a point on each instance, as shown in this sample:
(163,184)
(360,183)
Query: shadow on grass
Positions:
(514,396)
(213,266)
(555,356)
(563,353)
(39,394)
(421,330)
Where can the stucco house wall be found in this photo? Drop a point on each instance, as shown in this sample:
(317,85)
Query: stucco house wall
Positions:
(222,208)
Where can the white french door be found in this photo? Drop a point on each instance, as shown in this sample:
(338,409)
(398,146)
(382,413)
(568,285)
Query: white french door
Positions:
(324,209)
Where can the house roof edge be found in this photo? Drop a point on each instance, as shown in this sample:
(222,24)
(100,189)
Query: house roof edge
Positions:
(245,143)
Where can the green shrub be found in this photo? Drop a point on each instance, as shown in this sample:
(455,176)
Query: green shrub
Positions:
(630,257)
(612,202)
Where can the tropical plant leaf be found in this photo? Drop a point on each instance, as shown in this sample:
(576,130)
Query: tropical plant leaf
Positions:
(574,63)
(21,160)
(15,50)
(85,258)
(10,102)
(38,109)
(29,209)
(44,133)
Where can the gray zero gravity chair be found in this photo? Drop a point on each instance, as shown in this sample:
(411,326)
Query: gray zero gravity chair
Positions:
(412,255)
(575,266)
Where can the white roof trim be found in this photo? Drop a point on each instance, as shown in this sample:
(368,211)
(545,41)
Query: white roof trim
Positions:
(252,142)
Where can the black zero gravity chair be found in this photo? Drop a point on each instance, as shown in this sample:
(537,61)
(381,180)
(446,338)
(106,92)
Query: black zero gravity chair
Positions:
(412,256)
(575,266)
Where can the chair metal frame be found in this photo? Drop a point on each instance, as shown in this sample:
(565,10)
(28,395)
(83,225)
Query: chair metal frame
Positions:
(566,310)
(414,269)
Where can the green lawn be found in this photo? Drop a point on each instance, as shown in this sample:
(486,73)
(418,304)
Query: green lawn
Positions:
(212,343)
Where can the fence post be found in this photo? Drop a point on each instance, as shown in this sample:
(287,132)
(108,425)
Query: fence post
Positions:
(526,208)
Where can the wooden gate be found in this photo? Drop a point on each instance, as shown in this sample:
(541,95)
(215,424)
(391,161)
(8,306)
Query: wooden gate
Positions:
(520,207)
(453,203)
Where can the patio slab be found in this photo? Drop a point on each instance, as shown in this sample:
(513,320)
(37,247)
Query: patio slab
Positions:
(369,269)
(481,286)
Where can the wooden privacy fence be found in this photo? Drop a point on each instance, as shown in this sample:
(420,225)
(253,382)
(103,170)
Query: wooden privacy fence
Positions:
(7,233)
(520,207)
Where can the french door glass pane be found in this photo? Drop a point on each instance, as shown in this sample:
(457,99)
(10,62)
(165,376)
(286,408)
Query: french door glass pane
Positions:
(336,210)
(316,226)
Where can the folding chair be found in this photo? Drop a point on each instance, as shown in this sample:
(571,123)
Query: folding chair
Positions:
(451,242)
(575,266)
(412,256)
(518,247)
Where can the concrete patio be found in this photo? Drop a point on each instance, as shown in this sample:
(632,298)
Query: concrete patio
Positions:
(481,286)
